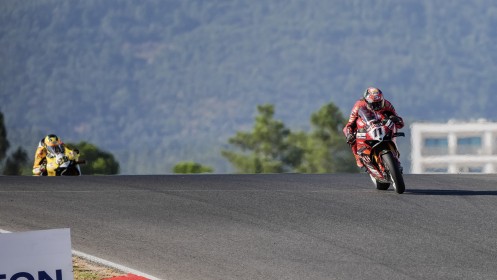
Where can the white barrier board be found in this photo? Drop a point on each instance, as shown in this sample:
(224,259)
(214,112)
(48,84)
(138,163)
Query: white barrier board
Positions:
(36,255)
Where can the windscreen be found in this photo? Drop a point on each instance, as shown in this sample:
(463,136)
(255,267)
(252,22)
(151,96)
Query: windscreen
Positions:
(367,115)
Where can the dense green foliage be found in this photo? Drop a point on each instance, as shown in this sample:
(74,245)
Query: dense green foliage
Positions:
(98,162)
(190,167)
(17,163)
(325,150)
(265,149)
(4,142)
(161,81)
(270,147)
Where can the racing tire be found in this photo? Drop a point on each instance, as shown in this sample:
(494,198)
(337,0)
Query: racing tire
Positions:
(392,165)
(379,186)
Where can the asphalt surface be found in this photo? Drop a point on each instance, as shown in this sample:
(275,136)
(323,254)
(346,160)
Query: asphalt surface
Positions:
(279,226)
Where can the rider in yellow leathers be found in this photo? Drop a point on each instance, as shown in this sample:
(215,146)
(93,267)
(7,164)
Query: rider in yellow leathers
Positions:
(48,148)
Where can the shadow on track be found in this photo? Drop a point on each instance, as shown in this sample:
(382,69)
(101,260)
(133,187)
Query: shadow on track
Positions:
(449,192)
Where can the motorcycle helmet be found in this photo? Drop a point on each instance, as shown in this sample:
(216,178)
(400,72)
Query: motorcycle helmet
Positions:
(53,144)
(374,99)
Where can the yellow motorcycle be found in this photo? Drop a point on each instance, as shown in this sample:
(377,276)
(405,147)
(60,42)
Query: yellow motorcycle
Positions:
(65,163)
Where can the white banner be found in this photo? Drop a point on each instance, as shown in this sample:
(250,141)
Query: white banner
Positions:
(36,255)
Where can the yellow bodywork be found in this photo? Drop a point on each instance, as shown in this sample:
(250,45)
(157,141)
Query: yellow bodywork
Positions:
(52,163)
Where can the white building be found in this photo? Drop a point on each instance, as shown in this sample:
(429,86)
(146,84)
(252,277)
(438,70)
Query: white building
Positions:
(454,147)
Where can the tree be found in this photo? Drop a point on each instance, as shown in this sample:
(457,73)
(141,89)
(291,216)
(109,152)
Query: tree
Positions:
(266,149)
(16,163)
(272,148)
(189,167)
(98,162)
(325,148)
(4,143)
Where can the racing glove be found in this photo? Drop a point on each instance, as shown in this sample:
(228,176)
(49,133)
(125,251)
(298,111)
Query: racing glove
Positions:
(350,138)
(395,119)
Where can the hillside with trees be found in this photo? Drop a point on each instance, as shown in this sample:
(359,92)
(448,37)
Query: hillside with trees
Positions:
(160,82)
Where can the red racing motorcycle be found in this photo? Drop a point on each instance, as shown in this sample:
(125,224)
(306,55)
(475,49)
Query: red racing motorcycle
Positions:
(378,151)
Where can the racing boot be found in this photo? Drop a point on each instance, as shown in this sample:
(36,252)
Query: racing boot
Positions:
(359,163)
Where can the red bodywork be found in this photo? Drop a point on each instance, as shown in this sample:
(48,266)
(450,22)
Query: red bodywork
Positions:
(375,136)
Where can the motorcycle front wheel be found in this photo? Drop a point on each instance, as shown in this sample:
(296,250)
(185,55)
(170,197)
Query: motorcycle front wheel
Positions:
(379,185)
(392,165)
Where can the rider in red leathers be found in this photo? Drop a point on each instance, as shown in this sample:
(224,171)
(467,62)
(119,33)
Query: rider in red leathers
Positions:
(373,100)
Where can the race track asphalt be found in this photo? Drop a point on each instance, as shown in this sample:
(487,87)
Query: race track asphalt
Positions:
(271,226)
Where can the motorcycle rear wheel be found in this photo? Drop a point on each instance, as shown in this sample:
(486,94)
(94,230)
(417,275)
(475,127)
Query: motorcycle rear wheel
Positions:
(392,165)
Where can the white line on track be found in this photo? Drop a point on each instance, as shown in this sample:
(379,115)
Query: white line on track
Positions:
(105,263)
(112,265)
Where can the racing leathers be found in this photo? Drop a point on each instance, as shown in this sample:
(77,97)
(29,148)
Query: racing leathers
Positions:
(388,111)
(40,167)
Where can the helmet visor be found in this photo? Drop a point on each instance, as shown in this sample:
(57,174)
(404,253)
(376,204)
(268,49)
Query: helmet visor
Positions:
(57,149)
(376,105)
